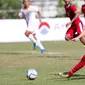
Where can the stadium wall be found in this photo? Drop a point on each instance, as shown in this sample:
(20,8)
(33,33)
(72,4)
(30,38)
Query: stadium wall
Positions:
(53,29)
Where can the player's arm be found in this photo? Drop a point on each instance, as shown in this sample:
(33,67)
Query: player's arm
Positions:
(20,14)
(77,14)
(39,15)
(81,35)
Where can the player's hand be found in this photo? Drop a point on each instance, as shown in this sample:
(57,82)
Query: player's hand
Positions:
(68,24)
(40,20)
(75,39)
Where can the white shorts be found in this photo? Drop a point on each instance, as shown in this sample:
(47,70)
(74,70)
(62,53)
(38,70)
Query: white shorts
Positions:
(32,27)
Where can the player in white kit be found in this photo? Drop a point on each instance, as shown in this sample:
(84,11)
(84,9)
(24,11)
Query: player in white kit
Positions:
(29,13)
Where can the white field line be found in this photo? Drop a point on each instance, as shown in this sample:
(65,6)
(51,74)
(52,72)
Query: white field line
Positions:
(29,52)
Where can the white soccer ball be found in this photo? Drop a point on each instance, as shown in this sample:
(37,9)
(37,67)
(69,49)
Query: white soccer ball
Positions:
(31,74)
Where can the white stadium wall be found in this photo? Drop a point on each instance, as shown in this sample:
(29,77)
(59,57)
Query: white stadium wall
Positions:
(50,30)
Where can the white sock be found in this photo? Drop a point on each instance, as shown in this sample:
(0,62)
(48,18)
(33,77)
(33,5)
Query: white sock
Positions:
(40,45)
(32,38)
(36,41)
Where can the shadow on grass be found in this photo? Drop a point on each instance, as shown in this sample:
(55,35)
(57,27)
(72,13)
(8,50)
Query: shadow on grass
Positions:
(74,77)
(77,77)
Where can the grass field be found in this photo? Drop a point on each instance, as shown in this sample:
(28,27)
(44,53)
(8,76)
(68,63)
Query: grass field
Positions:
(60,56)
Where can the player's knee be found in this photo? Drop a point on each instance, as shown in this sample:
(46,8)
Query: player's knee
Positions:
(27,33)
(67,38)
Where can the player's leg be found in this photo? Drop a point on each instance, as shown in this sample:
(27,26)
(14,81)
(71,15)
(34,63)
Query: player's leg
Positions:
(82,40)
(34,44)
(36,41)
(30,36)
(33,28)
(39,43)
(69,34)
(77,67)
(80,28)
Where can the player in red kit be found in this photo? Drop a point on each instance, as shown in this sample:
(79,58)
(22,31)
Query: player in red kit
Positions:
(82,11)
(76,25)
(81,63)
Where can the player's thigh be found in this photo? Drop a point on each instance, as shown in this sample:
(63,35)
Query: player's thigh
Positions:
(29,30)
(32,27)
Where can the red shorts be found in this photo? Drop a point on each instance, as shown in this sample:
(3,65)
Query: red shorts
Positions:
(75,30)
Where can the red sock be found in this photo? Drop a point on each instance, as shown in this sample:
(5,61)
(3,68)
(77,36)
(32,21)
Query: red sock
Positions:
(78,66)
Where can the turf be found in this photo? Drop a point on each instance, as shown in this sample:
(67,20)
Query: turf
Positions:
(60,56)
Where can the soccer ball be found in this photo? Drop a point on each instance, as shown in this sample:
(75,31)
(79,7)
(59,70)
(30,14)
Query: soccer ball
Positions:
(31,74)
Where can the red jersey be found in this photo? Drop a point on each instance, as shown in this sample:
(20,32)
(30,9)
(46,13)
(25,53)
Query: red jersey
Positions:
(83,9)
(71,12)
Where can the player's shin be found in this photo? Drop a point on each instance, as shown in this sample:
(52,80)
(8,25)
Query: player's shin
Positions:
(78,66)
(32,38)
(40,45)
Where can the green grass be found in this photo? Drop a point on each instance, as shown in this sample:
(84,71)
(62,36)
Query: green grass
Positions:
(60,56)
